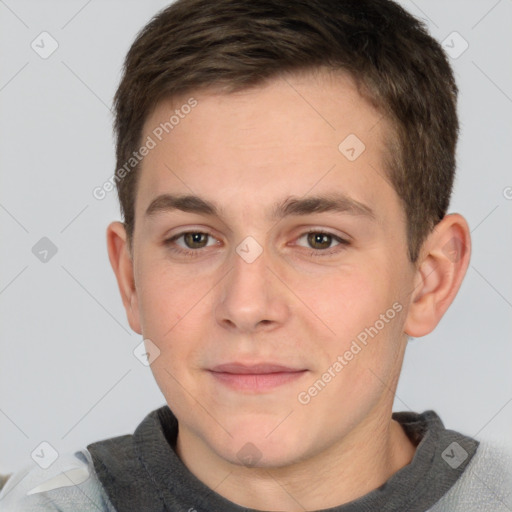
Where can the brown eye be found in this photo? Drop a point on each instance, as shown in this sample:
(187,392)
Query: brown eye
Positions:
(320,240)
(195,240)
(191,244)
(323,243)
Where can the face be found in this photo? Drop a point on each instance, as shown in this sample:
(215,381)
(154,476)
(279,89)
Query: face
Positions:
(270,267)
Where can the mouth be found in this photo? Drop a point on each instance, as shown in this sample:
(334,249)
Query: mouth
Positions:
(255,378)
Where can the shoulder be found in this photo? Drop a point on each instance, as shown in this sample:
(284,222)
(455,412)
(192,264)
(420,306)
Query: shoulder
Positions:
(485,484)
(69,484)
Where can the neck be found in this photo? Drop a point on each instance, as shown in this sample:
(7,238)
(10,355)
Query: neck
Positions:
(362,461)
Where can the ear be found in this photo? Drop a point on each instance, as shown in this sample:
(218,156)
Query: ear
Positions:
(122,264)
(440,270)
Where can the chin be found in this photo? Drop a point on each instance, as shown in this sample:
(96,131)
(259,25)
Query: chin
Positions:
(261,444)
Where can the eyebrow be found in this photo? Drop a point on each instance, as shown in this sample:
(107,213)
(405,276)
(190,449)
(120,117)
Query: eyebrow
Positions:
(333,202)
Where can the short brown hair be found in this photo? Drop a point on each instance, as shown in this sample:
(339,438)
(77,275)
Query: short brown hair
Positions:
(236,44)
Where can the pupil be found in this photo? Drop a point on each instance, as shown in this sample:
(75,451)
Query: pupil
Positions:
(195,238)
(322,239)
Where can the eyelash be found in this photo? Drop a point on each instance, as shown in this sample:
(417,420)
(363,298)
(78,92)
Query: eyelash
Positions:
(315,252)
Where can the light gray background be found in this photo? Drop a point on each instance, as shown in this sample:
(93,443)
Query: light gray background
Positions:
(67,372)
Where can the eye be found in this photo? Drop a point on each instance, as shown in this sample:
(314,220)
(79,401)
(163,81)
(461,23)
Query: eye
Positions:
(318,240)
(321,242)
(190,241)
(194,240)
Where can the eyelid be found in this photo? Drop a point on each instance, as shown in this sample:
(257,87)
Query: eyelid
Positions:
(182,234)
(190,229)
(342,241)
(169,241)
(324,231)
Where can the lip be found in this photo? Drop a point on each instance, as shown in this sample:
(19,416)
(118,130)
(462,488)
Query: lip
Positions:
(255,369)
(255,378)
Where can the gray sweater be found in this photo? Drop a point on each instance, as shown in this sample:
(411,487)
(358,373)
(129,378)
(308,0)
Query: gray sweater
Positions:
(450,472)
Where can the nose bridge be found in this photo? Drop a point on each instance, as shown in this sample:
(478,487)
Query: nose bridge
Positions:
(250,298)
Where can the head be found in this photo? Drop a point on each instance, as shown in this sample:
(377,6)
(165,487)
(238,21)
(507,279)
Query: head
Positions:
(288,210)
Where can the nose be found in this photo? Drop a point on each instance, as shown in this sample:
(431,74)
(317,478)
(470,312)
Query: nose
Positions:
(252,298)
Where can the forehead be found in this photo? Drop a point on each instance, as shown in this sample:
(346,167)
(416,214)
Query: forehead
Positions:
(296,133)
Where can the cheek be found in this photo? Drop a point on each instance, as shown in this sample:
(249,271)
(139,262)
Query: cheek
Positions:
(167,297)
(173,316)
(342,302)
(176,315)
(358,315)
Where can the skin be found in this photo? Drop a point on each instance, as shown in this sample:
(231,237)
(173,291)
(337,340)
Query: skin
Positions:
(292,305)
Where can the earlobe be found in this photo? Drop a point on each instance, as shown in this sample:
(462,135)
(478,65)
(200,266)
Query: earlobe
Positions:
(442,267)
(122,265)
